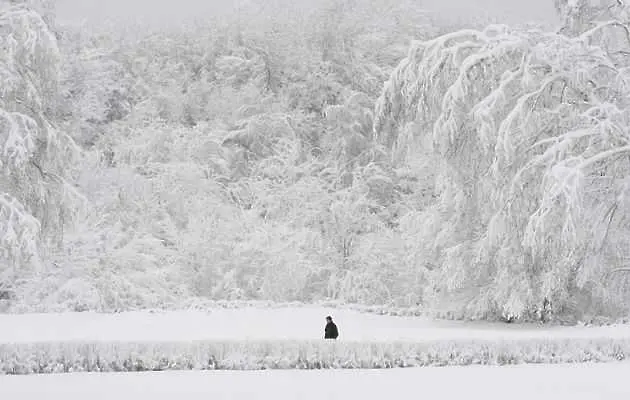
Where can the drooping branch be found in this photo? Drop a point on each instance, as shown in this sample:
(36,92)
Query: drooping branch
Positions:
(526,123)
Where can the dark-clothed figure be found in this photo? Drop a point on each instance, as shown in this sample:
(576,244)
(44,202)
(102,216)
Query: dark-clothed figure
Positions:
(330,332)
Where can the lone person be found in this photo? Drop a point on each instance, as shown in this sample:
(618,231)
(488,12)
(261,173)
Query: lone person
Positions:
(330,332)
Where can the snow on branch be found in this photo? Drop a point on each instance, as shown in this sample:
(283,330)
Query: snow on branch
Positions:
(17,139)
(35,200)
(532,132)
(29,50)
(18,233)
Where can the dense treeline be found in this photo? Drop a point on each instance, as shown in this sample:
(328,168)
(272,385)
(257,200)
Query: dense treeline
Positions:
(282,154)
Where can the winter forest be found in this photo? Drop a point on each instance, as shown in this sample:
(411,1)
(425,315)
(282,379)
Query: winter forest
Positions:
(356,151)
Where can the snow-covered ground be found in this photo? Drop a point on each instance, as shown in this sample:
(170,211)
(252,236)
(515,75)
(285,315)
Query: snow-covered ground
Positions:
(557,382)
(305,323)
(257,338)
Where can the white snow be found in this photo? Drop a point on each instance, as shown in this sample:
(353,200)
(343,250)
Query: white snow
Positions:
(557,382)
(295,323)
(94,11)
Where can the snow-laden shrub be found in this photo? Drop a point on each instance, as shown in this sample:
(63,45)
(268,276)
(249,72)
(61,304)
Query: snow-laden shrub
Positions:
(60,357)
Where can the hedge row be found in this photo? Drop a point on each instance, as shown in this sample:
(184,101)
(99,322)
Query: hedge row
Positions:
(38,358)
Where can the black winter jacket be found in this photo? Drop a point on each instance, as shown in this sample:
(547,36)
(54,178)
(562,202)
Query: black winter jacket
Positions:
(331,332)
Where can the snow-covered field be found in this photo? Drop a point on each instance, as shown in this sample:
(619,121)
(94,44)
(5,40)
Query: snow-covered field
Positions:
(557,382)
(285,338)
(305,323)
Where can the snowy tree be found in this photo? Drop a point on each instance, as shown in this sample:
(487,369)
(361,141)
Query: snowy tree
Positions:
(231,159)
(581,15)
(36,202)
(530,134)
(95,87)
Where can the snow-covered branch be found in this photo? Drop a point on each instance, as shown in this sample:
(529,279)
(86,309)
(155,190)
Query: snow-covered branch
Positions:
(35,201)
(532,132)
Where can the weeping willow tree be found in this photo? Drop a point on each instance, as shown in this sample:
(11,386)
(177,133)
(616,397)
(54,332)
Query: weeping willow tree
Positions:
(35,200)
(529,132)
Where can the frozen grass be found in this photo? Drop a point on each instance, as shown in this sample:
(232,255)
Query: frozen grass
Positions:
(58,357)
(285,338)
(540,382)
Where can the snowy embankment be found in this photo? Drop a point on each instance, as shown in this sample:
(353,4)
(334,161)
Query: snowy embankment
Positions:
(284,338)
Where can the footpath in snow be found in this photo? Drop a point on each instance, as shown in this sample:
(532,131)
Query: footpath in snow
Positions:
(523,382)
(285,338)
(287,324)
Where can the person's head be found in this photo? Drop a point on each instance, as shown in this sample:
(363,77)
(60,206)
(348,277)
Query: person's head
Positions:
(329,319)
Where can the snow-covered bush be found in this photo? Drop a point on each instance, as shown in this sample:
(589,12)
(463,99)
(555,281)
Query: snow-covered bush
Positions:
(64,357)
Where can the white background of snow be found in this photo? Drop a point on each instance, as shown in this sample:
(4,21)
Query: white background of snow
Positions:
(169,11)
(523,382)
(305,323)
